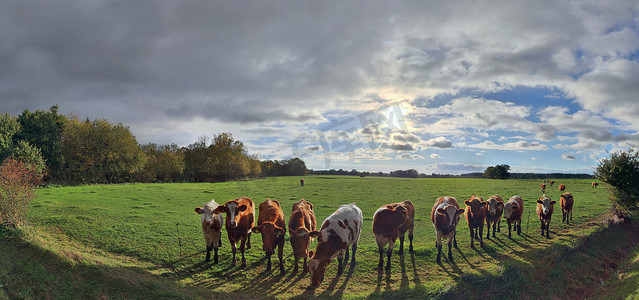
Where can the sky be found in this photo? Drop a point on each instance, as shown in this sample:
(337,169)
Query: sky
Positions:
(443,87)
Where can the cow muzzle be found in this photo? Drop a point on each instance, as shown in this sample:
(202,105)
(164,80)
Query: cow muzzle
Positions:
(233,224)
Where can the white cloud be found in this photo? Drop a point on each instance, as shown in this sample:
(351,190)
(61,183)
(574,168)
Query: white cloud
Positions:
(518,146)
(439,142)
(435,156)
(568,156)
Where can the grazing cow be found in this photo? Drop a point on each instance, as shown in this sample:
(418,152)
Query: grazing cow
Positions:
(302,182)
(513,211)
(562,188)
(301,225)
(594,185)
(494,210)
(270,223)
(240,217)
(543,188)
(211,228)
(445,217)
(475,215)
(566,203)
(389,222)
(552,182)
(339,231)
(544,211)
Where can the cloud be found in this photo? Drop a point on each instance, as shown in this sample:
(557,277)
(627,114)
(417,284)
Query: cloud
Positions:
(439,142)
(568,156)
(408,156)
(435,156)
(517,146)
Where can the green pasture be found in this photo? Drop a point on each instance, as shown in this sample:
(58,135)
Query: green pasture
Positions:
(156,224)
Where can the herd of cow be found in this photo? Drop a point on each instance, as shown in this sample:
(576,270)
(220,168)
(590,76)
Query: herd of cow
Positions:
(341,230)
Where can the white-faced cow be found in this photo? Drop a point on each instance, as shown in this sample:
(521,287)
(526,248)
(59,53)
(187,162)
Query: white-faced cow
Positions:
(513,211)
(390,222)
(270,223)
(545,207)
(339,231)
(211,228)
(566,203)
(494,209)
(445,217)
(475,215)
(301,225)
(240,217)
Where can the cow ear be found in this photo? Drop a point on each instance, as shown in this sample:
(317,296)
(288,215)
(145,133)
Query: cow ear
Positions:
(220,209)
(483,203)
(198,210)
(441,211)
(467,202)
(256,229)
(461,211)
(539,201)
(500,203)
(314,234)
(553,202)
(311,254)
(242,207)
(391,208)
(279,231)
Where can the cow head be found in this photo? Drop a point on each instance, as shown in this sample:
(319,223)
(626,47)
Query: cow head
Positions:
(208,213)
(493,204)
(451,214)
(316,269)
(475,203)
(270,233)
(509,208)
(546,203)
(301,241)
(233,211)
(567,196)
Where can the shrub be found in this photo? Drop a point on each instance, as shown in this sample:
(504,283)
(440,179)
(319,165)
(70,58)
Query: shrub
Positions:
(18,182)
(620,172)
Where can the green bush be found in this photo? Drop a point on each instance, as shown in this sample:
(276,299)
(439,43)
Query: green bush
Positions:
(620,172)
(18,182)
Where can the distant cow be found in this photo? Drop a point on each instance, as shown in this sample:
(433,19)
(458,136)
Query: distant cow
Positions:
(211,228)
(302,182)
(475,215)
(552,182)
(594,185)
(543,188)
(389,222)
(566,203)
(545,207)
(270,223)
(562,188)
(301,225)
(240,217)
(494,209)
(513,211)
(339,231)
(445,217)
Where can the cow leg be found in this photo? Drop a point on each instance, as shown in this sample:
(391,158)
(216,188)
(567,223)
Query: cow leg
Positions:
(248,246)
(494,229)
(208,252)
(481,234)
(499,225)
(234,249)
(215,256)
(571,214)
(401,245)
(438,245)
(340,263)
(450,250)
(268,262)
(472,236)
(488,225)
(346,254)
(380,249)
(388,255)
(305,266)
(280,255)
(455,239)
(548,229)
(410,239)
(563,216)
(509,228)
(242,249)
(353,262)
(219,243)
(295,269)
(519,227)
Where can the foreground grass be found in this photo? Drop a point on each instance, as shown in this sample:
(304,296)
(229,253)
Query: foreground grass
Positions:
(155,225)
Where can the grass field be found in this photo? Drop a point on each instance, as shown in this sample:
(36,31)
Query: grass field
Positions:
(154,229)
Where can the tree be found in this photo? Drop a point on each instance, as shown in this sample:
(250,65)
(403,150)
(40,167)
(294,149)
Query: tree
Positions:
(9,126)
(497,172)
(620,172)
(165,163)
(43,130)
(100,152)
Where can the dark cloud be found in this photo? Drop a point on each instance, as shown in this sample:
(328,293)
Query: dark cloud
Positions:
(568,156)
(439,142)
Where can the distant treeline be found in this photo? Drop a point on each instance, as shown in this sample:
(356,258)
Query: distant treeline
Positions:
(68,150)
(412,173)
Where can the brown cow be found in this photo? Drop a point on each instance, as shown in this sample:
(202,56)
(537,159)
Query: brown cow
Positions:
(389,222)
(551,183)
(566,203)
(240,217)
(562,188)
(301,225)
(543,188)
(211,228)
(445,217)
(270,223)
(475,215)
(594,185)
(544,211)
(513,211)
(494,210)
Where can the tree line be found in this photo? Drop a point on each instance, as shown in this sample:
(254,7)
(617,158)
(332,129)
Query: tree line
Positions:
(66,149)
